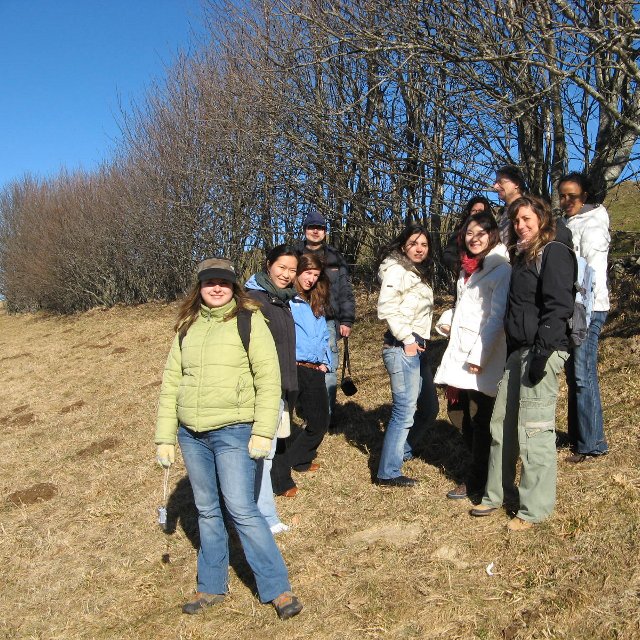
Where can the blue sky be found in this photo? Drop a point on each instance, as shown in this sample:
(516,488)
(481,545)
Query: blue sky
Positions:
(65,66)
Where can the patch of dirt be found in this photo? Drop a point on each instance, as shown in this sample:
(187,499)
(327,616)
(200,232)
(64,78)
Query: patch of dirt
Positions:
(72,407)
(120,350)
(449,554)
(396,534)
(98,447)
(40,492)
(151,385)
(98,346)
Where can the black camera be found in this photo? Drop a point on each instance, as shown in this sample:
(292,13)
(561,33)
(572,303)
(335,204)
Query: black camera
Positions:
(420,341)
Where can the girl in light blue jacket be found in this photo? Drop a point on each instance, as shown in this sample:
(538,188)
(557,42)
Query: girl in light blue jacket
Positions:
(313,360)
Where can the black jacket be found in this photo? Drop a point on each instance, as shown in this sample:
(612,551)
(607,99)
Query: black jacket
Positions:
(280,322)
(343,304)
(540,304)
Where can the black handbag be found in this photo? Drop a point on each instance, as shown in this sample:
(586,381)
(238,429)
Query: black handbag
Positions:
(346,383)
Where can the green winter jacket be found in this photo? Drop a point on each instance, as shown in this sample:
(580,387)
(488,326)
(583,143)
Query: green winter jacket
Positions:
(209,384)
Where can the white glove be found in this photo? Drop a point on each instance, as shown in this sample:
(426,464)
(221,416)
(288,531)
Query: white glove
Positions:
(166,455)
(259,447)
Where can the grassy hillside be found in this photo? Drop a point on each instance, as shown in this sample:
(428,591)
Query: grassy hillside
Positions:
(83,557)
(623,205)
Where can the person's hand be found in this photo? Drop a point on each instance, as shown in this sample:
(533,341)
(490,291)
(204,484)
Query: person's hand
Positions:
(537,368)
(323,368)
(259,447)
(445,329)
(474,368)
(412,349)
(166,455)
(345,331)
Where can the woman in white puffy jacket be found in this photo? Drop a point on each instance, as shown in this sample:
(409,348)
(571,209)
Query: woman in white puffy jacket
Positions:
(589,226)
(477,350)
(406,303)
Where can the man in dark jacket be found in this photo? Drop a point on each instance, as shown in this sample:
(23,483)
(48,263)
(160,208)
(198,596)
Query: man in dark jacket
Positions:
(341,315)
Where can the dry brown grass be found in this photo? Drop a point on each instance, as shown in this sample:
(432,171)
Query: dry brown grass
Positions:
(82,554)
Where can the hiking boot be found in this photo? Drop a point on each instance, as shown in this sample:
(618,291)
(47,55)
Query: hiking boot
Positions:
(202,601)
(458,493)
(287,605)
(518,524)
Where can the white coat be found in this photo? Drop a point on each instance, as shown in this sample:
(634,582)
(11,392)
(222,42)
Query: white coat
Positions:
(405,302)
(590,233)
(477,327)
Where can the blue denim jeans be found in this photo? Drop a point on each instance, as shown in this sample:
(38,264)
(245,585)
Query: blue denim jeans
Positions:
(331,377)
(219,467)
(414,406)
(264,489)
(585,424)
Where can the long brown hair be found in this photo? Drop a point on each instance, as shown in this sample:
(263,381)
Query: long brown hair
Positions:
(547,231)
(318,295)
(189,308)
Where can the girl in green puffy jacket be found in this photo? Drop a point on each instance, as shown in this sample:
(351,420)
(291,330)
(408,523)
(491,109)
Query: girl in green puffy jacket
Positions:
(219,399)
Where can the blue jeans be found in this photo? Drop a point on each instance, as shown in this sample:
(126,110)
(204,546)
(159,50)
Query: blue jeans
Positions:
(585,424)
(414,406)
(264,489)
(220,468)
(331,377)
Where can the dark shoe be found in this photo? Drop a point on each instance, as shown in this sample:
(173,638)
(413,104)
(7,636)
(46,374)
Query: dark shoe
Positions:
(398,481)
(576,458)
(312,466)
(202,601)
(458,493)
(483,510)
(287,605)
(289,493)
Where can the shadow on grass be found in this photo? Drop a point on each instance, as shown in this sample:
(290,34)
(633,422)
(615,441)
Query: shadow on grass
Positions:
(182,512)
(441,445)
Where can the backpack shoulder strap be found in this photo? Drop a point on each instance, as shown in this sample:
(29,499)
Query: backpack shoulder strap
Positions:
(542,258)
(244,327)
(181,334)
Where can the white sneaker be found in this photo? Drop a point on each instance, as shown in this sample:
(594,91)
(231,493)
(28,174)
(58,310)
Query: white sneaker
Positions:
(281,527)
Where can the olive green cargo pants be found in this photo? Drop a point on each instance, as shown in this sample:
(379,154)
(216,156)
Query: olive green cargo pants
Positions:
(523,423)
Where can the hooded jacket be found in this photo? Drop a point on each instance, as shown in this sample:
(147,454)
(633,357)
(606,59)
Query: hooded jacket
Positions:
(280,322)
(477,328)
(342,301)
(541,301)
(405,301)
(591,239)
(212,382)
(312,335)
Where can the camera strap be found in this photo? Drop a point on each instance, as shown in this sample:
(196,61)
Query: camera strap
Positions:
(346,364)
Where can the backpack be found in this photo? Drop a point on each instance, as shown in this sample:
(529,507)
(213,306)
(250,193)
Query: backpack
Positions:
(583,295)
(244,329)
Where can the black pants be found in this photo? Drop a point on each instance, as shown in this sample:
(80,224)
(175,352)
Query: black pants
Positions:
(300,452)
(480,410)
(472,415)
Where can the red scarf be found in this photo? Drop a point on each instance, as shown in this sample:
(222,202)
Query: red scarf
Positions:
(470,265)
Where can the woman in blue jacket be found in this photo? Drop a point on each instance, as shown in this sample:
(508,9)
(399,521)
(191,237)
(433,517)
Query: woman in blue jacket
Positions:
(313,360)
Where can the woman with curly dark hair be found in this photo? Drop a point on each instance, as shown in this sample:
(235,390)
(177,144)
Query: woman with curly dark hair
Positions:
(406,303)
(539,307)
